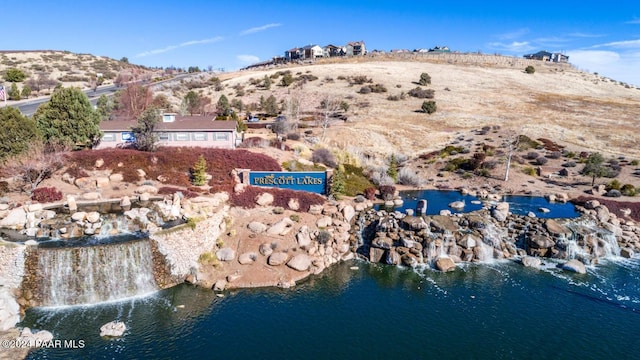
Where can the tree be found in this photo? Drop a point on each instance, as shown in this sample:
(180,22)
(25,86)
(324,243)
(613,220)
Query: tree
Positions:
(36,164)
(287,79)
(124,59)
(429,107)
(338,183)
(26,91)
(134,99)
(237,104)
(199,172)
(104,106)
(14,75)
(68,118)
(328,107)
(266,83)
(17,133)
(292,111)
(144,132)
(529,69)
(513,144)
(392,171)
(595,167)
(222,107)
(14,92)
(425,79)
(270,106)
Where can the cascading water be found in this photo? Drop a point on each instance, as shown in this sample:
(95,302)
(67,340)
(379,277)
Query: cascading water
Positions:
(93,274)
(590,241)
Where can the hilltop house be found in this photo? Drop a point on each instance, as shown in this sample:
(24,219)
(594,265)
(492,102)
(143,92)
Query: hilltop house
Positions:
(547,56)
(440,49)
(294,54)
(174,130)
(356,48)
(333,51)
(312,52)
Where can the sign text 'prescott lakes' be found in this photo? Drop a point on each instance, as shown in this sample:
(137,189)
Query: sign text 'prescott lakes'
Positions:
(307,181)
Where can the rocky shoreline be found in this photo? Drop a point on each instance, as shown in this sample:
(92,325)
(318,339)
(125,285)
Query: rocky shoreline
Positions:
(221,247)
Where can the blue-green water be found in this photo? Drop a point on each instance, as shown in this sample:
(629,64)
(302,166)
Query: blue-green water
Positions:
(487,311)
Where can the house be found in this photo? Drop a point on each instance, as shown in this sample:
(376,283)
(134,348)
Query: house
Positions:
(312,52)
(440,49)
(333,51)
(174,130)
(356,48)
(548,56)
(294,54)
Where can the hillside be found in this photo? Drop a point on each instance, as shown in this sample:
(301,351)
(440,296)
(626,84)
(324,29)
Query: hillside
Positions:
(471,91)
(49,67)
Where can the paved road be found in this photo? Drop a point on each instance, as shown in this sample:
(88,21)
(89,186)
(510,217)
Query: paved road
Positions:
(28,108)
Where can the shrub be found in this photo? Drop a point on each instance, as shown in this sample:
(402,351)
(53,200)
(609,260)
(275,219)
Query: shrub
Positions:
(246,198)
(635,163)
(554,155)
(628,190)
(294,217)
(46,194)
(323,237)
(4,188)
(387,192)
(293,136)
(199,172)
(529,171)
(370,193)
(365,90)
(323,156)
(359,80)
(541,160)
(569,164)
(421,93)
(614,185)
(407,176)
(425,79)
(529,69)
(429,107)
(532,155)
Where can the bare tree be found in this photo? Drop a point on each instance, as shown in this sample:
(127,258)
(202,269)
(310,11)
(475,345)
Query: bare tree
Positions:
(513,141)
(35,165)
(292,111)
(328,106)
(134,100)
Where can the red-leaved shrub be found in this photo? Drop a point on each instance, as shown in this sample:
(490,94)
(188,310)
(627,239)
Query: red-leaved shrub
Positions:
(281,197)
(387,192)
(46,194)
(370,193)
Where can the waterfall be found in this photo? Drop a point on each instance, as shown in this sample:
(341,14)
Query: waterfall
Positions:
(93,274)
(590,241)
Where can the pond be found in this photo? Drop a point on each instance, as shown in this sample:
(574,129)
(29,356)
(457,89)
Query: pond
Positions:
(438,200)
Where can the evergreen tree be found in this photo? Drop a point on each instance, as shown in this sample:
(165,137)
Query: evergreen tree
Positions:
(14,93)
(199,172)
(425,79)
(104,106)
(223,107)
(17,133)
(14,75)
(338,183)
(392,171)
(270,106)
(26,91)
(595,167)
(429,107)
(267,82)
(68,118)
(144,132)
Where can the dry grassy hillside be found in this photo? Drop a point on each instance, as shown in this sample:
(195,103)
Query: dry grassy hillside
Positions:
(556,102)
(67,68)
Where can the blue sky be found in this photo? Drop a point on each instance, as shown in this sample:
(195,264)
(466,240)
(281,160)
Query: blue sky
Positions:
(598,37)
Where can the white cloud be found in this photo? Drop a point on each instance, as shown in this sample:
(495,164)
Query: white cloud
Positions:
(248,59)
(514,34)
(254,30)
(628,44)
(584,35)
(635,21)
(173,47)
(513,47)
(618,66)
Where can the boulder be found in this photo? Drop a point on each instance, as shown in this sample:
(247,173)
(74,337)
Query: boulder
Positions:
(300,262)
(375,255)
(541,242)
(415,223)
(141,173)
(445,264)
(591,204)
(315,209)
(602,213)
(468,241)
(556,229)
(71,203)
(117,177)
(277,258)
(144,196)
(220,285)
(91,196)
(324,222)
(303,237)
(531,261)
(265,249)
(257,227)
(113,329)
(226,254)
(247,258)
(125,203)
(264,199)
(149,189)
(293,204)
(85,183)
(102,182)
(93,217)
(282,227)
(626,252)
(9,310)
(445,213)
(34,207)
(498,215)
(457,205)
(16,219)
(348,212)
(575,266)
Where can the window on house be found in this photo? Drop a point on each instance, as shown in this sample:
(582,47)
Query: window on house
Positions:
(182,136)
(199,136)
(128,137)
(109,137)
(163,136)
(222,136)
